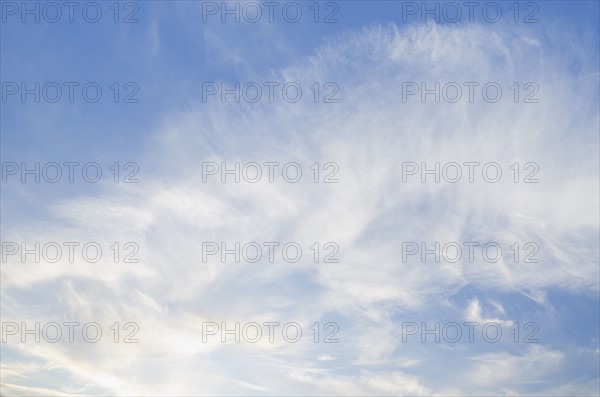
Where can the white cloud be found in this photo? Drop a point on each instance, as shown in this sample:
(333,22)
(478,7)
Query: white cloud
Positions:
(369,214)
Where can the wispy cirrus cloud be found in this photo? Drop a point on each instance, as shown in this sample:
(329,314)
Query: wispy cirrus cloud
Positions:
(369,213)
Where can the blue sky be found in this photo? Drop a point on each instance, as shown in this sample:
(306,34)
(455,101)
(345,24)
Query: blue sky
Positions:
(370,293)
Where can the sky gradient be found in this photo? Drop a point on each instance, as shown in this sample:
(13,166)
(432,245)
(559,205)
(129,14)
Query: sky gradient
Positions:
(397,171)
